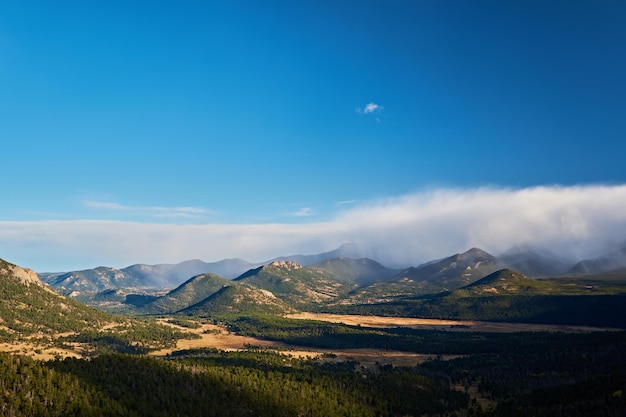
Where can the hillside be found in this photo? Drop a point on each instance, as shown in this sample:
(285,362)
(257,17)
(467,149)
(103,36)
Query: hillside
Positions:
(36,317)
(507,281)
(28,307)
(455,271)
(296,285)
(238,299)
(190,292)
(430,278)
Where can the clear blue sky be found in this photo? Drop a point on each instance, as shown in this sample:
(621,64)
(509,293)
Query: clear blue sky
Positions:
(250,112)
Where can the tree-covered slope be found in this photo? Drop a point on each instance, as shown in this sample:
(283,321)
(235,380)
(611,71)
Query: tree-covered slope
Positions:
(239,299)
(190,292)
(296,285)
(28,307)
(32,313)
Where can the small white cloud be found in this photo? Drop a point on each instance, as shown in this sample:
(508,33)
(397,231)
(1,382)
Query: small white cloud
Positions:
(370,109)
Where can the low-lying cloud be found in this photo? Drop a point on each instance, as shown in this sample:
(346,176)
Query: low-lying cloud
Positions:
(576,222)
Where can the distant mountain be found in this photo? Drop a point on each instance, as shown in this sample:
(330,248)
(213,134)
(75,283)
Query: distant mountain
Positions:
(296,284)
(433,277)
(92,281)
(612,261)
(190,292)
(323,279)
(239,299)
(534,262)
(455,271)
(167,275)
(348,250)
(88,282)
(354,271)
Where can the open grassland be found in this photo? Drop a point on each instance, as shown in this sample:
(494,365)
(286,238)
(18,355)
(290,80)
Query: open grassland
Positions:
(436,324)
(218,337)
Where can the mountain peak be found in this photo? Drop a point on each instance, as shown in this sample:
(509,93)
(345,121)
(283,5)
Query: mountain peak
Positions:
(23,275)
(476,253)
(286,264)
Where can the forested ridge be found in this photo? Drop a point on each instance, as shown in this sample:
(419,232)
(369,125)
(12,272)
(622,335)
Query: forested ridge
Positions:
(213,383)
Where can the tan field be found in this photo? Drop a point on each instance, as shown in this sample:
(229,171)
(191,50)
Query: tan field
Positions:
(213,336)
(218,337)
(436,324)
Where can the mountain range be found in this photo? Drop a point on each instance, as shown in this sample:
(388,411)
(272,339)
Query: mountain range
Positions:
(326,278)
(102,278)
(470,285)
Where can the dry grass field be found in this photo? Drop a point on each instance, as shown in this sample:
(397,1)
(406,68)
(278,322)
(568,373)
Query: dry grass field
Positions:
(213,336)
(435,324)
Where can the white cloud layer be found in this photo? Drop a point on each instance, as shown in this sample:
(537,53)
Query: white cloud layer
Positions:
(576,222)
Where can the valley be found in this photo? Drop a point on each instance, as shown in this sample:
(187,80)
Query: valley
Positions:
(463,335)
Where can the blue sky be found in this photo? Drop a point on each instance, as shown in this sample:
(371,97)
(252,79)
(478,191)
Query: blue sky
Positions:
(178,116)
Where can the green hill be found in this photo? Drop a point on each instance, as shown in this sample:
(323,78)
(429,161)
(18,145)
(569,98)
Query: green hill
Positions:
(32,313)
(239,299)
(296,285)
(190,292)
(28,307)
(507,281)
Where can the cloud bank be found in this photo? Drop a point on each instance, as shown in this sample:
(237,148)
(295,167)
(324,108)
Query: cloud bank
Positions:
(575,222)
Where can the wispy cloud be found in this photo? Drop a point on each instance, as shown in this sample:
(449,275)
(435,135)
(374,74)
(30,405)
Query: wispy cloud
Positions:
(303,212)
(149,211)
(580,221)
(345,203)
